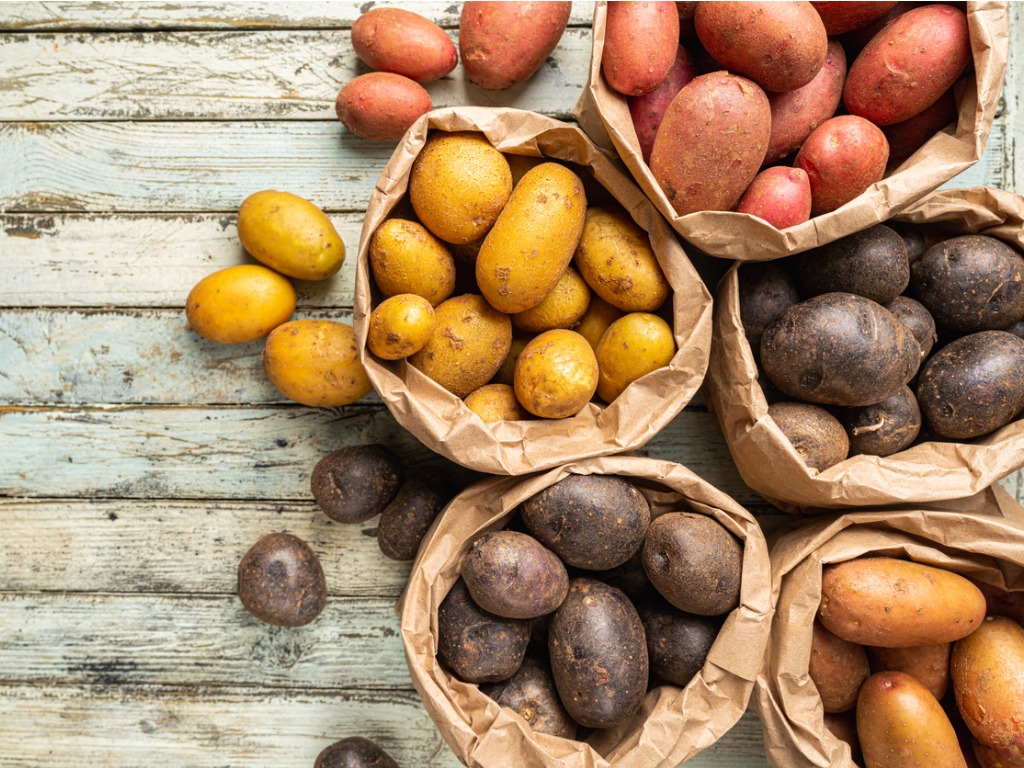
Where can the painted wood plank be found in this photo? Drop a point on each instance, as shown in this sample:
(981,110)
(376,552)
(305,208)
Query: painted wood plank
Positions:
(182,547)
(125,260)
(331,14)
(250,75)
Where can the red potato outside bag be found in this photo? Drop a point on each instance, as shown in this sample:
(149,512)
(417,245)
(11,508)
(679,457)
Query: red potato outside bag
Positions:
(604,114)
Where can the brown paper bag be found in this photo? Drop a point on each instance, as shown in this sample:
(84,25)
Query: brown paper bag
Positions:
(925,472)
(674,724)
(440,419)
(985,545)
(604,114)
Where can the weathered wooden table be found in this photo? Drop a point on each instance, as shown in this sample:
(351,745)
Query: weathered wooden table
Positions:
(138,462)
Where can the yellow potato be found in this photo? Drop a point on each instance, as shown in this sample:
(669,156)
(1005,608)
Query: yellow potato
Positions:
(615,258)
(595,321)
(633,346)
(561,308)
(458,185)
(533,240)
(495,402)
(406,258)
(506,373)
(316,363)
(290,234)
(556,374)
(400,326)
(469,342)
(239,304)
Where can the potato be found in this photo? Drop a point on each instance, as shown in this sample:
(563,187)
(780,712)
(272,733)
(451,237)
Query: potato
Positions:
(239,304)
(884,428)
(907,136)
(504,43)
(561,308)
(647,111)
(917,319)
(971,283)
(469,343)
(842,157)
(280,581)
(458,185)
(406,258)
(928,664)
(781,196)
(596,522)
(899,723)
(872,263)
(615,257)
(629,577)
(400,326)
(495,402)
(632,347)
(913,238)
(355,483)
(403,42)
(974,385)
(988,680)
(838,349)
(532,695)
(986,757)
(381,106)
(595,321)
(692,164)
(598,654)
(506,373)
(780,46)
(290,235)
(908,65)
(513,575)
(408,516)
(640,43)
(842,17)
(476,645)
(897,603)
(677,643)
(694,563)
(556,374)
(533,239)
(817,436)
(837,668)
(315,363)
(765,290)
(354,752)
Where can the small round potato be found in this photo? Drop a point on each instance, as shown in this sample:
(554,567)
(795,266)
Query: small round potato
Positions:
(495,402)
(842,157)
(239,304)
(406,258)
(766,289)
(556,374)
(280,581)
(290,235)
(837,668)
(400,326)
(595,321)
(779,195)
(354,752)
(918,320)
(316,363)
(678,643)
(513,575)
(355,483)
(561,308)
(633,346)
(884,428)
(816,435)
(381,106)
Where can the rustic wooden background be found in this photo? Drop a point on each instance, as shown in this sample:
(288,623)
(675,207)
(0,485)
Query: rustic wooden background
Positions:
(138,461)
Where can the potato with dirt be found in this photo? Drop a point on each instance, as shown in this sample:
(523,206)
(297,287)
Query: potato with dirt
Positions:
(400,326)
(405,258)
(408,516)
(556,374)
(872,263)
(918,320)
(884,428)
(678,643)
(354,752)
(766,288)
(532,695)
(513,575)
(281,582)
(816,435)
(353,484)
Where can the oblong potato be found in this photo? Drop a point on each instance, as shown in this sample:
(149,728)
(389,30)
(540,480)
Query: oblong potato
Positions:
(648,110)
(316,363)
(640,42)
(511,574)
(842,157)
(898,603)
(837,668)
(532,695)
(403,42)
(406,258)
(381,106)
(239,304)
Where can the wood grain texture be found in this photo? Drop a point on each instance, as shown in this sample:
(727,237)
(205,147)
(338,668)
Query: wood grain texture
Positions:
(251,75)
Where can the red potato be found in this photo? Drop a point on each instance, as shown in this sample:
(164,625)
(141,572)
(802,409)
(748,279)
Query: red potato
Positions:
(796,113)
(380,106)
(711,142)
(908,65)
(855,41)
(780,46)
(503,44)
(405,43)
(843,17)
(842,157)
(779,195)
(640,43)
(907,136)
(647,111)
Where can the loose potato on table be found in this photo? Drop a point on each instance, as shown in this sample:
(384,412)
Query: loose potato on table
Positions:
(281,582)
(354,752)
(315,363)
(381,106)
(239,304)
(403,42)
(640,45)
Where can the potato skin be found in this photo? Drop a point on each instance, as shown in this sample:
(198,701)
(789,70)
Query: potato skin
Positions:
(898,603)
(908,65)
(239,304)
(640,44)
(899,723)
(843,17)
(648,110)
(316,363)
(353,484)
(561,308)
(884,428)
(503,43)
(598,654)
(918,320)
(596,320)
(678,643)
(595,522)
(400,326)
(974,385)
(842,157)
(532,695)
(872,263)
(407,517)
(406,258)
(928,664)
(779,195)
(816,435)
(403,42)
(495,402)
(533,239)
(354,752)
(381,106)
(556,374)
(766,289)
(695,168)
(290,235)
(281,582)
(837,668)
(632,347)
(513,575)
